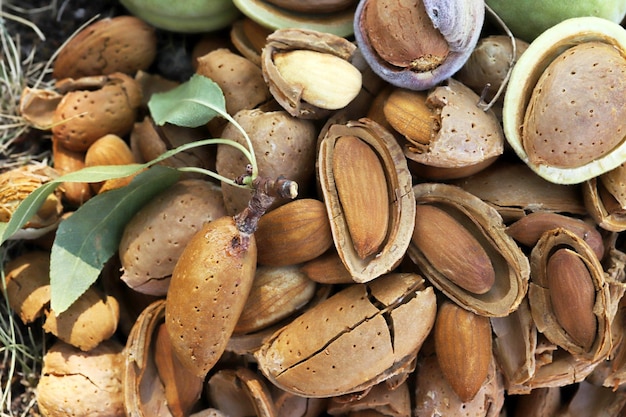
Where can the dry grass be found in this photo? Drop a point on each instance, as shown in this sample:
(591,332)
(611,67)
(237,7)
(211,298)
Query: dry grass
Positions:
(17,72)
(21,347)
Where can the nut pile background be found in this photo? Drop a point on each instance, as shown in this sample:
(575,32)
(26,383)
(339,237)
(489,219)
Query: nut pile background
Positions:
(455,249)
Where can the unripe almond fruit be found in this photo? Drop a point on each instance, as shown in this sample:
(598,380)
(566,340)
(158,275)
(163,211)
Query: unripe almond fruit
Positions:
(208,290)
(463,347)
(452,249)
(572,295)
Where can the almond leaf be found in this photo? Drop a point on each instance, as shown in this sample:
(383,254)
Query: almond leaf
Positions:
(88,238)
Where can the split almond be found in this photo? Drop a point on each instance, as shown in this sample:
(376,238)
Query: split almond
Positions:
(452,249)
(572,294)
(362,189)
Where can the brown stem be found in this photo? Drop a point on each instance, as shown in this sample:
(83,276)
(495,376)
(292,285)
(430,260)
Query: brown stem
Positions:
(266,190)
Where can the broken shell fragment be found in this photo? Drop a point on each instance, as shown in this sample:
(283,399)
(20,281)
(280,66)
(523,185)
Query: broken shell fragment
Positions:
(514,190)
(240,392)
(605,199)
(435,397)
(458,138)
(76,383)
(15,185)
(107,104)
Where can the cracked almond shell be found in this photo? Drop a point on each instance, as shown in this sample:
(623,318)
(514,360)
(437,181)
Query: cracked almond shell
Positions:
(605,199)
(542,300)
(76,383)
(293,86)
(400,194)
(483,221)
(357,338)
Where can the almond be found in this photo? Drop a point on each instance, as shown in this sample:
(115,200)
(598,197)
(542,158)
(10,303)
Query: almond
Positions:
(529,229)
(362,188)
(293,233)
(120,44)
(452,249)
(326,81)
(572,295)
(407,112)
(463,347)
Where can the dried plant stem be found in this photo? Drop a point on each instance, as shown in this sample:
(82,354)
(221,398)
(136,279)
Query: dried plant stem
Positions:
(265,191)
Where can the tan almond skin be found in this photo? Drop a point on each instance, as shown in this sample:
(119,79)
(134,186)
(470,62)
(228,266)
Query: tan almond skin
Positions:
(572,294)
(207,293)
(529,229)
(452,250)
(415,44)
(66,161)
(293,233)
(463,347)
(362,188)
(407,112)
(110,149)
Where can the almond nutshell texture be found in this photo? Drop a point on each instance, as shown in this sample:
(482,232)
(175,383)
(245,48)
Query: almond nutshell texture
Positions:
(207,293)
(345,344)
(155,237)
(588,125)
(120,44)
(76,383)
(85,115)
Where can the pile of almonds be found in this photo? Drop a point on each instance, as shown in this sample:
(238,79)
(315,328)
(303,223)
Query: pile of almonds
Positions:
(424,269)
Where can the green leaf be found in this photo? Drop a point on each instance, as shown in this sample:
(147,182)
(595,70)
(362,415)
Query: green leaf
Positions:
(32,203)
(28,208)
(88,238)
(191,104)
